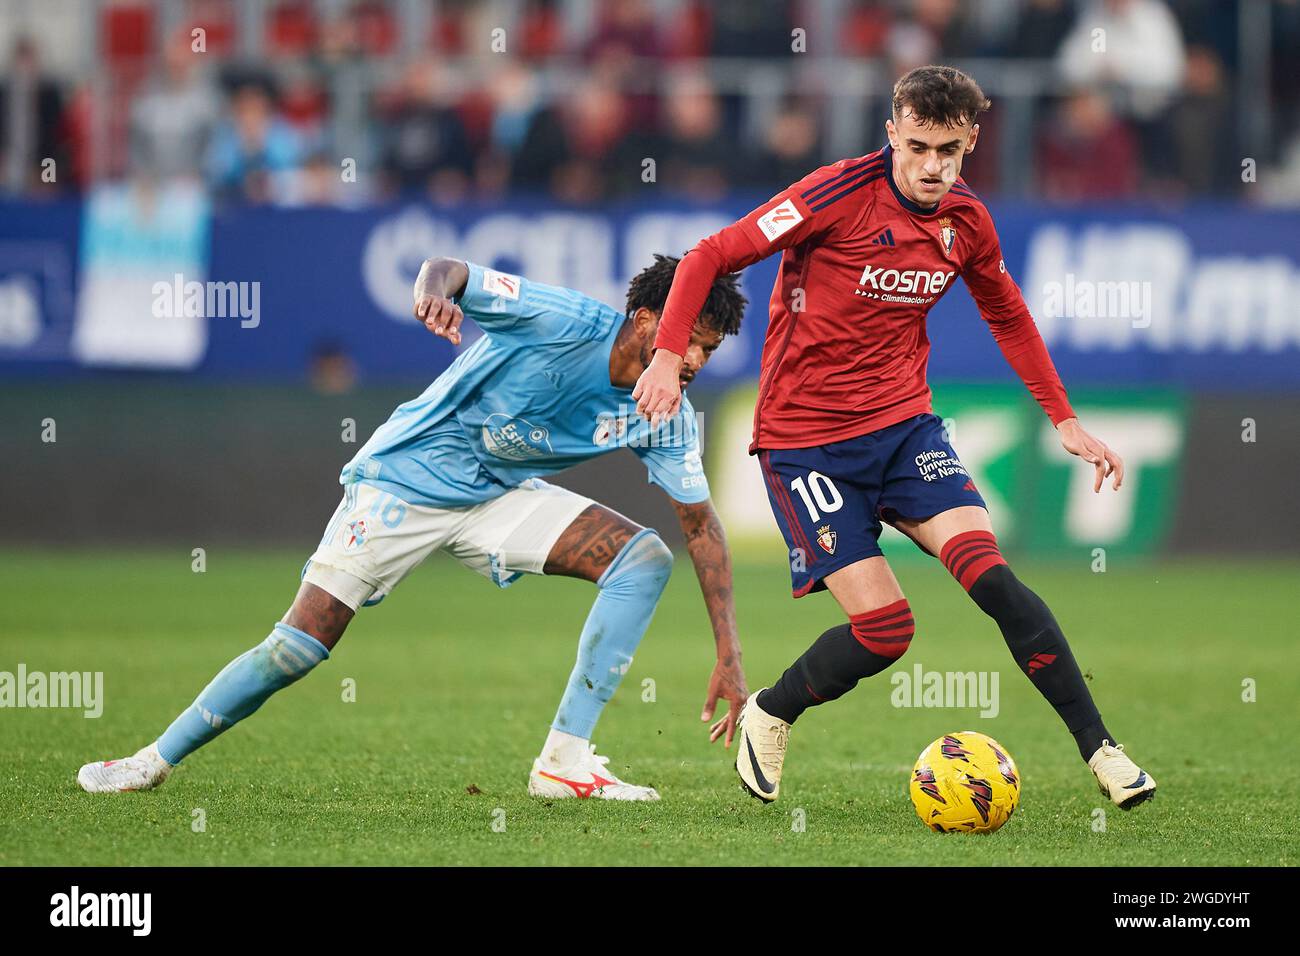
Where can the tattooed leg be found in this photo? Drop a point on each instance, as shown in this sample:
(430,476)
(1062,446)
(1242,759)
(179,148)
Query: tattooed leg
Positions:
(588,546)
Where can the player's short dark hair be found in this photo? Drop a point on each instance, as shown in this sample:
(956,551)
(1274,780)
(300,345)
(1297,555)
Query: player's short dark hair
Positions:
(722,309)
(939,96)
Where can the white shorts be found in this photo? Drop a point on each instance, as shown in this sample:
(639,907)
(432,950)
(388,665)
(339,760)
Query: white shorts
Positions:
(375,538)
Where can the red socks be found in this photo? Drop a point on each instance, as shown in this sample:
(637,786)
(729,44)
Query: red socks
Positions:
(970,554)
(887,630)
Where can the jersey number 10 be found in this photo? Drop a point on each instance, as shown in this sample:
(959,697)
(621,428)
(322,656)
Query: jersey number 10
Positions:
(821,490)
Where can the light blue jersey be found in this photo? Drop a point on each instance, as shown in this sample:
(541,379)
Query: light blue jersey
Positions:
(528,399)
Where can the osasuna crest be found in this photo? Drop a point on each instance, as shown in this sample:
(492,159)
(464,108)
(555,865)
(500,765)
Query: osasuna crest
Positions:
(826,539)
(947,235)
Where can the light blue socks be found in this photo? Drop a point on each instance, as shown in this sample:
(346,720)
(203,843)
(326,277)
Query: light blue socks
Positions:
(242,686)
(629,591)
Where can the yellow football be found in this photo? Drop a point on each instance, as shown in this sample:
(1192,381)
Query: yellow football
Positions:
(965,782)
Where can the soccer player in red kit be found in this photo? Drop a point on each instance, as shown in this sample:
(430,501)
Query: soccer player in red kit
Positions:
(843,426)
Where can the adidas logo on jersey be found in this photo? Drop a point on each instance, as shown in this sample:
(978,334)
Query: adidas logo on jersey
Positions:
(886,238)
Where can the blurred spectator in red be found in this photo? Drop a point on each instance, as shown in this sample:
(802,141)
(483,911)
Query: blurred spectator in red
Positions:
(1087,153)
(1133,47)
(628,26)
(292,28)
(252,146)
(172,122)
(425,146)
(31,114)
(374,27)
(540,29)
(866,27)
(218,19)
(625,38)
(686,35)
(304,104)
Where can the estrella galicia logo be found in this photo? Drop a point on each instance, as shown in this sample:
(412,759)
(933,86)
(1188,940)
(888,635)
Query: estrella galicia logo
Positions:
(515,439)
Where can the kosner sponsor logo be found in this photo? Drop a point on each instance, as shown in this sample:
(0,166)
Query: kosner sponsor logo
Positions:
(922,281)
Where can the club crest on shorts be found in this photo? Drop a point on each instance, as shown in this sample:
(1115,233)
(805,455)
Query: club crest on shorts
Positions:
(947,235)
(826,539)
(355,536)
(609,428)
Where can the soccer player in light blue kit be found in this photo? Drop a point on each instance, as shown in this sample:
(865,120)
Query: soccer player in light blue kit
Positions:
(459,469)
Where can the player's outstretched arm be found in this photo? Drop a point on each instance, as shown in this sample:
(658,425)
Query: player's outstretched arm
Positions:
(783,221)
(440,280)
(707,543)
(1003,307)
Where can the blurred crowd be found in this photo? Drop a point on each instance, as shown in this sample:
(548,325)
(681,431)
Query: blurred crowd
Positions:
(464,99)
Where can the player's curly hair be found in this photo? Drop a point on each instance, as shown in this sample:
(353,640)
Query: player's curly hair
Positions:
(722,310)
(939,95)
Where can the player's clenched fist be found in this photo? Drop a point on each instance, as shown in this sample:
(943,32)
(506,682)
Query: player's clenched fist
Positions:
(440,316)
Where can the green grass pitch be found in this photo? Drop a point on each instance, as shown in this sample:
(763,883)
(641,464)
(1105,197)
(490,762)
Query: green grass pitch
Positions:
(456,683)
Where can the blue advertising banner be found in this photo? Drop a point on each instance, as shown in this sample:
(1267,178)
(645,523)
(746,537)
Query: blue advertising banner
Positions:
(1203,296)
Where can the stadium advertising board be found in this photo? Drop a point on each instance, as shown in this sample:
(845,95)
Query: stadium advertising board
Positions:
(1206,296)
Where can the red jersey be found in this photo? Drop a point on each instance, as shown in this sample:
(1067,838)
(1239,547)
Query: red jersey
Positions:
(861,266)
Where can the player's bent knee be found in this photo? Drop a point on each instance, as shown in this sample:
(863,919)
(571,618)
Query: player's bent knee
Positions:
(644,565)
(968,555)
(886,631)
(326,602)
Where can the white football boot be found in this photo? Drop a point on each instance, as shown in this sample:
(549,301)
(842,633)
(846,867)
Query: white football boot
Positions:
(588,777)
(761,750)
(144,770)
(1120,778)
